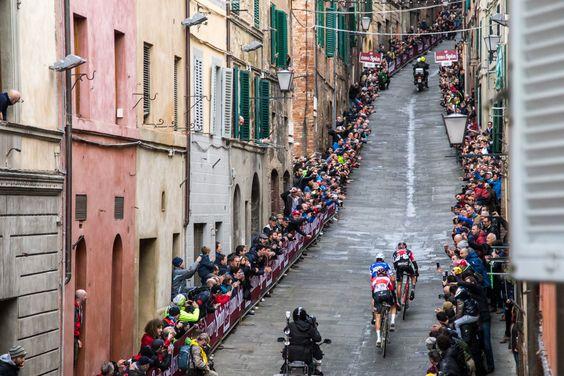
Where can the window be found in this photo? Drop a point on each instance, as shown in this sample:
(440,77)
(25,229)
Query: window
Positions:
(281,38)
(537,132)
(82,88)
(320,21)
(330,23)
(118,207)
(235,120)
(273,37)
(235,6)
(146,79)
(256,13)
(216,100)
(175,91)
(119,76)
(244,104)
(80,207)
(198,94)
(163,201)
(227,110)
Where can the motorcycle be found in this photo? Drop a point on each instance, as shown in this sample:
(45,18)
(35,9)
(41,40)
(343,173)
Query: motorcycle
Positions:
(297,367)
(419,78)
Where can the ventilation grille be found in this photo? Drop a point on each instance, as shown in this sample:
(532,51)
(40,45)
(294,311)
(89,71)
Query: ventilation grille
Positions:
(118,207)
(80,208)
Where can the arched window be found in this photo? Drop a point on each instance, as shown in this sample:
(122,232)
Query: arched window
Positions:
(238,225)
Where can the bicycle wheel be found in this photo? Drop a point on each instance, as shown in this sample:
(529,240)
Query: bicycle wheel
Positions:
(385,332)
(405,297)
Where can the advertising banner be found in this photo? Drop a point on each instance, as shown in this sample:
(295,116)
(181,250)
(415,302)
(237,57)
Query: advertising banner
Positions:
(370,58)
(445,56)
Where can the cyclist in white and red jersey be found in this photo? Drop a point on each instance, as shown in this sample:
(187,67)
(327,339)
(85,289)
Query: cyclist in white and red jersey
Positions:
(383,291)
(404,262)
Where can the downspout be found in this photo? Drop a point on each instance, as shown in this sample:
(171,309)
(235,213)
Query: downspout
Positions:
(188,109)
(68,149)
(67,119)
(315,77)
(305,131)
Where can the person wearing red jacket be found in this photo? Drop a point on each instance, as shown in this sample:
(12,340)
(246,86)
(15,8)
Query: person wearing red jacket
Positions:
(79,300)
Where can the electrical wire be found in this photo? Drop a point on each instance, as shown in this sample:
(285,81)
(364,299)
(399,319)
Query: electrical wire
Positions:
(129,144)
(398,34)
(377,11)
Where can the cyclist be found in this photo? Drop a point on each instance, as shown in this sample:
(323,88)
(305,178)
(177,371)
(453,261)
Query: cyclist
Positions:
(383,292)
(380,264)
(404,262)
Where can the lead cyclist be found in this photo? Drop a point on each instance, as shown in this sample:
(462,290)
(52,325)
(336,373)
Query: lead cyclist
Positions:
(404,262)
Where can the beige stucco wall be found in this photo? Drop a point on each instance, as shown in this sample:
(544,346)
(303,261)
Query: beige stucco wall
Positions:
(157,173)
(159,23)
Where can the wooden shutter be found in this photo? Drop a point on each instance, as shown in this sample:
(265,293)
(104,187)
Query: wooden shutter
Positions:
(282,36)
(368,8)
(320,21)
(264,131)
(256,13)
(227,110)
(146,79)
(81,207)
(257,103)
(330,23)
(214,100)
(244,105)
(198,94)
(119,207)
(235,6)
(537,160)
(273,35)
(175,90)
(235,102)
(341,36)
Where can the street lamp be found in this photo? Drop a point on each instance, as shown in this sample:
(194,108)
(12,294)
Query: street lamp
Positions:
(254,45)
(365,23)
(196,19)
(455,126)
(69,62)
(492,41)
(285,78)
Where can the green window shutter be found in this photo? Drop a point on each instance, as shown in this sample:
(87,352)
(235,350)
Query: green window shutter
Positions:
(368,8)
(257,102)
(256,5)
(244,108)
(235,6)
(320,22)
(235,102)
(264,131)
(273,35)
(282,38)
(340,36)
(330,23)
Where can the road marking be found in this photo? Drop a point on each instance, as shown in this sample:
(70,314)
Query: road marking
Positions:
(410,212)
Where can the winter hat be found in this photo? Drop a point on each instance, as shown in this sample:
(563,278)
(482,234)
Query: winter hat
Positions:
(179,300)
(430,343)
(177,261)
(16,351)
(157,343)
(173,311)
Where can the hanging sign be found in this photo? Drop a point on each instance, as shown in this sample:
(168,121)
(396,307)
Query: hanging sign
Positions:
(444,56)
(370,57)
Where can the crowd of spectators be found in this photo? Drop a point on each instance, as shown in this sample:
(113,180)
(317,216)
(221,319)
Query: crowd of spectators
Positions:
(319,182)
(475,286)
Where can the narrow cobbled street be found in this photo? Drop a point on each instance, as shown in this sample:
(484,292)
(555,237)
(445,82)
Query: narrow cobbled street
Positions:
(403,191)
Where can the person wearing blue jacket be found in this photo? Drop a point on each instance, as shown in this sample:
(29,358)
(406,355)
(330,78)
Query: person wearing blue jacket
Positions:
(478,266)
(206,267)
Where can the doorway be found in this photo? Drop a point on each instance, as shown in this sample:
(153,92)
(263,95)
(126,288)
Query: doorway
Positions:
(274,193)
(236,217)
(147,282)
(116,299)
(255,207)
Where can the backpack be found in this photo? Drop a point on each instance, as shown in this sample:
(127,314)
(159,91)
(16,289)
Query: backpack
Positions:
(184,357)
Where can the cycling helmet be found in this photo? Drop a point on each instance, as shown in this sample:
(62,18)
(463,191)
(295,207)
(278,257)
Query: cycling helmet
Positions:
(299,314)
(380,256)
(423,59)
(418,59)
(402,245)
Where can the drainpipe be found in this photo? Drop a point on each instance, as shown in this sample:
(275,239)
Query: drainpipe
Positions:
(188,96)
(67,119)
(68,149)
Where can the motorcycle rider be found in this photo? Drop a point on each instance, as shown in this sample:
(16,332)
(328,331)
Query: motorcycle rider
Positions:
(304,338)
(422,63)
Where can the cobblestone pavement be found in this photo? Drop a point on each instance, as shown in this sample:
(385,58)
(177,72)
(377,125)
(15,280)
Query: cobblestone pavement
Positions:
(403,191)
